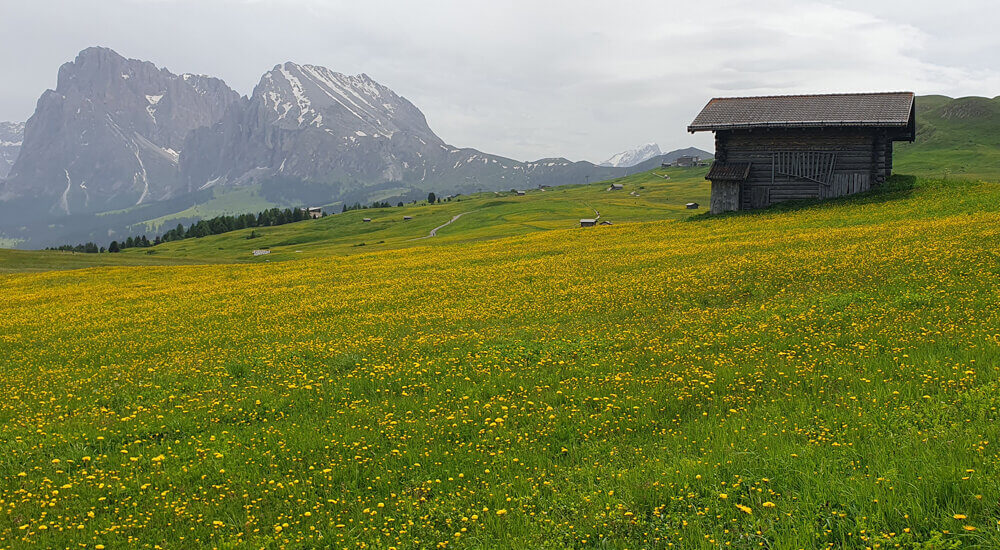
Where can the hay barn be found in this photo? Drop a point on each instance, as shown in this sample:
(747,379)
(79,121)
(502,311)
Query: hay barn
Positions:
(778,148)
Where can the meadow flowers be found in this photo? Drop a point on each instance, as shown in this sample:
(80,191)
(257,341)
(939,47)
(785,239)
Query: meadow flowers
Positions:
(721,383)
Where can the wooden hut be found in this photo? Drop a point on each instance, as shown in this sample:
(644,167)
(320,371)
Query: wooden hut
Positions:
(778,148)
(588,222)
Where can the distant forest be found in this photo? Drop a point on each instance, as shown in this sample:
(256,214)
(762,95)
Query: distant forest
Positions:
(203,228)
(222,224)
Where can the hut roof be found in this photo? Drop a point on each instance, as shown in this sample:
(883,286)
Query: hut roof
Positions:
(884,109)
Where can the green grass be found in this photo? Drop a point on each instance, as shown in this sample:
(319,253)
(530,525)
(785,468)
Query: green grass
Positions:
(813,376)
(956,138)
(485,216)
(239,200)
(15,261)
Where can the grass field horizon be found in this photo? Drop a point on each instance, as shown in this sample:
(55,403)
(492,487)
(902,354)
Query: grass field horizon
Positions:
(645,196)
(814,375)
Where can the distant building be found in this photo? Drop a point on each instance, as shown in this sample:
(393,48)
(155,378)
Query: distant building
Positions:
(692,206)
(778,148)
(261,252)
(407,218)
(616,187)
(520,193)
(588,222)
(686,161)
(606,222)
(314,211)
(366,219)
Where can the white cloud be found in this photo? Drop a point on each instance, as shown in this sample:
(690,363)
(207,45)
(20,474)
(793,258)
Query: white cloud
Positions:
(532,79)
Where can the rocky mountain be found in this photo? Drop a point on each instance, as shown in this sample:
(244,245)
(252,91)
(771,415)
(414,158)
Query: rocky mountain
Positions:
(631,157)
(133,142)
(358,138)
(11,135)
(110,135)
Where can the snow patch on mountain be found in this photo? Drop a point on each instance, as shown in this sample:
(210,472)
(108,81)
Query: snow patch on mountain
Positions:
(631,157)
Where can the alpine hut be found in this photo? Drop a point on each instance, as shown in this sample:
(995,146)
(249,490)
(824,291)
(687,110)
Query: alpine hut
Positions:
(778,148)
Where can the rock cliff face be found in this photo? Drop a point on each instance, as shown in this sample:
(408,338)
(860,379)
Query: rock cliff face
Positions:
(110,134)
(11,136)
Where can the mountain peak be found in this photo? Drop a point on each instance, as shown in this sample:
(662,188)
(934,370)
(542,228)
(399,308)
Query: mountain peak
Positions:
(301,96)
(110,134)
(631,157)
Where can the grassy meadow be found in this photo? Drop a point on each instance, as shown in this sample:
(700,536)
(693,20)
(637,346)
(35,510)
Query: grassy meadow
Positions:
(646,196)
(811,376)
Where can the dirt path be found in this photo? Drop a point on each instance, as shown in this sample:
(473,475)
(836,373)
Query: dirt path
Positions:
(434,231)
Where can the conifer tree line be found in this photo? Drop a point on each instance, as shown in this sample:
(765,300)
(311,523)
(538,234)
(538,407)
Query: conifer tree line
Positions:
(203,228)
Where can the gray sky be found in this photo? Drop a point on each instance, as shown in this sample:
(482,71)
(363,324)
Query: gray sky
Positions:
(529,79)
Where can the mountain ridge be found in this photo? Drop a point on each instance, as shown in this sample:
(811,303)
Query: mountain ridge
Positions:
(372,138)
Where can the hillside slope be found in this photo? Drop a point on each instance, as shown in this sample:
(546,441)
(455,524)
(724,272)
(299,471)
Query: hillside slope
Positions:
(821,376)
(646,196)
(955,138)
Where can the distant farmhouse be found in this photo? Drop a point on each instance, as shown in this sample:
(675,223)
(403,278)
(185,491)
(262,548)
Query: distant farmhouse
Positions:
(684,161)
(779,148)
(314,212)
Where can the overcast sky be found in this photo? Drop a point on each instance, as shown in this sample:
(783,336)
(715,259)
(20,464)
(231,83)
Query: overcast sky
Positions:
(529,79)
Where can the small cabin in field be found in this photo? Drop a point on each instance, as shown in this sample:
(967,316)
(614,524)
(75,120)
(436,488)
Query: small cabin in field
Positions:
(616,187)
(314,212)
(778,148)
(588,222)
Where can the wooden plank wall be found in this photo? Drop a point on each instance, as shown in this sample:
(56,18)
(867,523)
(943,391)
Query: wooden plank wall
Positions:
(861,156)
(847,183)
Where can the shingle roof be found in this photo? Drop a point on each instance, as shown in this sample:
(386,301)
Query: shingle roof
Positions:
(887,109)
(728,171)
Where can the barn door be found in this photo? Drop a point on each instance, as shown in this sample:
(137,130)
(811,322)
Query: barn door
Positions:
(759,196)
